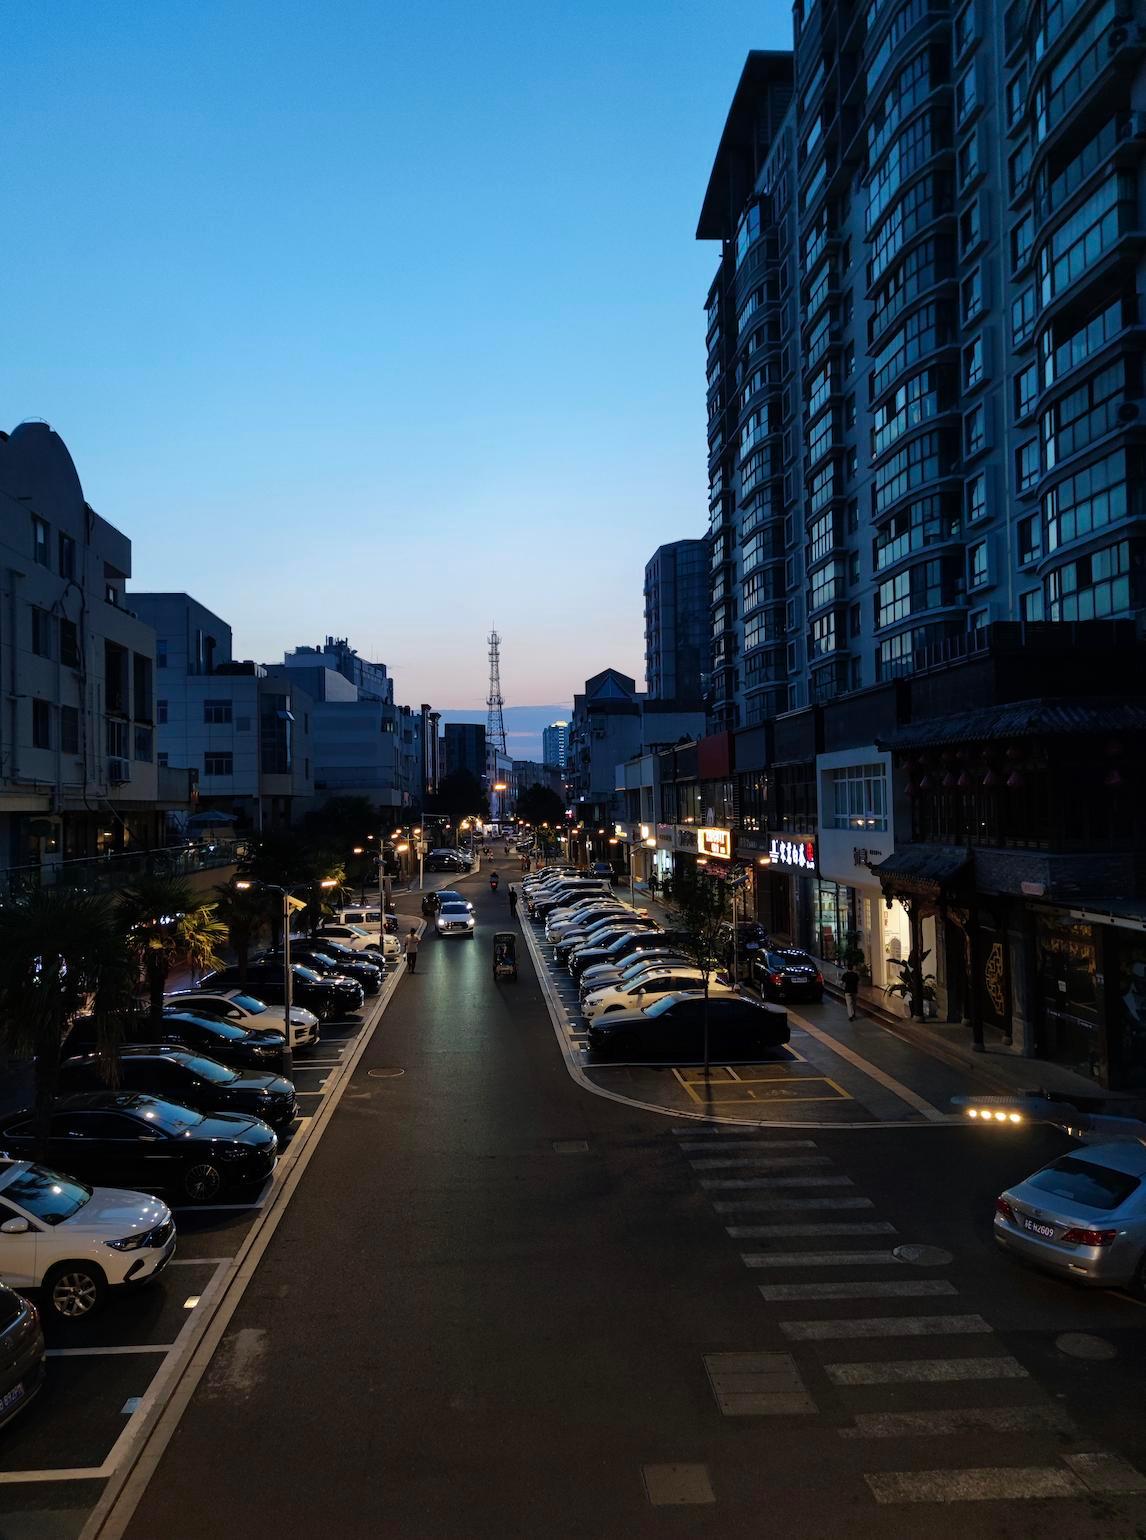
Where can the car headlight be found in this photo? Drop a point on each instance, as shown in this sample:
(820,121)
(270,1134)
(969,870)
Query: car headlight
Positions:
(130,1242)
(231,1152)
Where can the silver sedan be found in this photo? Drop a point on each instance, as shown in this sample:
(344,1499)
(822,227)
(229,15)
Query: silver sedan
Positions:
(1082,1217)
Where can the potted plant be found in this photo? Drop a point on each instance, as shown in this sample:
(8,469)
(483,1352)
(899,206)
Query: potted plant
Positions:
(914,987)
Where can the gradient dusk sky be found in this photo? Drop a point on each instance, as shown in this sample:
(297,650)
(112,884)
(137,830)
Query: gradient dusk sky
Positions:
(375,320)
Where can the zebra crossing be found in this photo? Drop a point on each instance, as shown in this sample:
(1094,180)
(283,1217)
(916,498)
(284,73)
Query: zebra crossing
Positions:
(881,1344)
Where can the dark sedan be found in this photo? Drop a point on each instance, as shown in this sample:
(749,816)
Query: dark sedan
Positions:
(602,932)
(191,1079)
(241,1047)
(788,974)
(620,947)
(328,998)
(21,1353)
(126,1140)
(672,1028)
(434,901)
(322,960)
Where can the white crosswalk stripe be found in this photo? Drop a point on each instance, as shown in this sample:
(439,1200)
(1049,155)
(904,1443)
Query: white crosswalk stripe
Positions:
(794,1231)
(791,1205)
(820,1259)
(886,1326)
(759,1162)
(736,1146)
(933,1370)
(746,1183)
(899,1288)
(953,1420)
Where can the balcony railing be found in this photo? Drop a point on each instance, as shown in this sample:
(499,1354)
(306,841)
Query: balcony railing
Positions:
(104,874)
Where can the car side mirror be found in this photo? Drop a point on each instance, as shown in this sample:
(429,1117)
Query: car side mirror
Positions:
(15,1227)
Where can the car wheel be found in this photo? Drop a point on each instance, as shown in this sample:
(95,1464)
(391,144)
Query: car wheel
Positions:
(74,1289)
(202,1181)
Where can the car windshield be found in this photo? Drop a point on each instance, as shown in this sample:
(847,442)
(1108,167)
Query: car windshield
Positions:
(659,1007)
(1081,1181)
(307,975)
(227,1031)
(455,909)
(52,1198)
(796,959)
(248,1003)
(208,1069)
(169,1116)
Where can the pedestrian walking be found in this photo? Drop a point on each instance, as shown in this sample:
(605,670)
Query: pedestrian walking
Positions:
(412,944)
(851,984)
(513,900)
(653,883)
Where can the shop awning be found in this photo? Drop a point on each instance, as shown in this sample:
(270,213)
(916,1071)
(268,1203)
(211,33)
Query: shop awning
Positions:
(926,871)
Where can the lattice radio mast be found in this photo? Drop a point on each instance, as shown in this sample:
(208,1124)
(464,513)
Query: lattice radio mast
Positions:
(495,721)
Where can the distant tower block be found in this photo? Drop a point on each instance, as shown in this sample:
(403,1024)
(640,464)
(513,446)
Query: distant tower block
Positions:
(495,721)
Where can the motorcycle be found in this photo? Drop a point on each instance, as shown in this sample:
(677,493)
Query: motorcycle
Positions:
(493,883)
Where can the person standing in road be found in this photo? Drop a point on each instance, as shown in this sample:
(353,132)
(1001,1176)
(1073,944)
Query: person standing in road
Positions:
(412,944)
(851,984)
(512,901)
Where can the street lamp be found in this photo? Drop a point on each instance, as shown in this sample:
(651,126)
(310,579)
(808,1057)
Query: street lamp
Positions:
(501,788)
(289,904)
(360,851)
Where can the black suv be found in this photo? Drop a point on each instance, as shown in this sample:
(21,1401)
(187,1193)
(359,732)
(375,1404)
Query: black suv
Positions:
(326,997)
(788,974)
(256,1048)
(332,959)
(191,1079)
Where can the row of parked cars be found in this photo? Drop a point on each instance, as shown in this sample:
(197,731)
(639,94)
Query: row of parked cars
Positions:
(640,987)
(202,1097)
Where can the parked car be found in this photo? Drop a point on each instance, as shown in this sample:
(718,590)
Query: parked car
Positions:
(352,936)
(602,869)
(601,975)
(621,946)
(751,937)
(542,904)
(672,1028)
(583,915)
(600,934)
(454,919)
(326,997)
(787,974)
(370,920)
(74,1242)
(192,1079)
(127,1139)
(227,1041)
(349,965)
(22,1353)
(246,1011)
(1082,1217)
(446,861)
(646,986)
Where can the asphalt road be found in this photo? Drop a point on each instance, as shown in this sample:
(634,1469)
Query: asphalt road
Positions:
(497,1307)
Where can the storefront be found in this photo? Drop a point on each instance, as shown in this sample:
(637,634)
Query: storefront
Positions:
(1068,984)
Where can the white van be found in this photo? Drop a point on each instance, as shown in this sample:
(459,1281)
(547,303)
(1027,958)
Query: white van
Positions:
(367,919)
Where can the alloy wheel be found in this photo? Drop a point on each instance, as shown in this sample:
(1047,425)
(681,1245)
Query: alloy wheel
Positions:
(202,1182)
(74,1295)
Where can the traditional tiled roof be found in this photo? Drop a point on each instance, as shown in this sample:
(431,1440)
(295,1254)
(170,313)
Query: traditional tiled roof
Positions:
(1021,719)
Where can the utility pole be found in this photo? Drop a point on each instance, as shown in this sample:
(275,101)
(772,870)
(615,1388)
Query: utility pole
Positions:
(495,719)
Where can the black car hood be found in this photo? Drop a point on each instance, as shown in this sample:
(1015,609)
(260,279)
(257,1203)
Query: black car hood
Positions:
(230,1125)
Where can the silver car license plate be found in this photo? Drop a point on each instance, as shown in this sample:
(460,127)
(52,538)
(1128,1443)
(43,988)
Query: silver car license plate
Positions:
(1039,1229)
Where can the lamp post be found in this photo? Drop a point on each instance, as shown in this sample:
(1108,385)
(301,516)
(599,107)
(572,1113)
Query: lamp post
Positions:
(360,851)
(290,904)
(501,788)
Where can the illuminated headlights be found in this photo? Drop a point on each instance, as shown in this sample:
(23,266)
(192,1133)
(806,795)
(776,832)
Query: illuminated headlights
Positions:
(130,1242)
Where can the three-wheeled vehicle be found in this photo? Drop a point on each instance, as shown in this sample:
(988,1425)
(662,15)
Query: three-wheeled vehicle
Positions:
(505,955)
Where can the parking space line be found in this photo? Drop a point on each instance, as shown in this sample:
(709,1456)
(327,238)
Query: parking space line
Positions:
(72,1473)
(198,1261)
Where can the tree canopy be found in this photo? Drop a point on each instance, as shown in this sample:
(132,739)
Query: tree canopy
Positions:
(539,804)
(460,795)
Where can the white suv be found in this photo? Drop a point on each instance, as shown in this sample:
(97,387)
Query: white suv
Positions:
(74,1241)
(246,1011)
(358,939)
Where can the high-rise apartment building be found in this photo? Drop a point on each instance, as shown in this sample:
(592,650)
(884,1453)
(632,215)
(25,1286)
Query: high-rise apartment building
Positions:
(464,748)
(676,621)
(555,744)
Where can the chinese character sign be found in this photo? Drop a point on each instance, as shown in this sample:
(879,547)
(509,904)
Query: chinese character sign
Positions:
(799,854)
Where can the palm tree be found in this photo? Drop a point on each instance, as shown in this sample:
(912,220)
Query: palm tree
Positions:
(245,912)
(168,926)
(61,953)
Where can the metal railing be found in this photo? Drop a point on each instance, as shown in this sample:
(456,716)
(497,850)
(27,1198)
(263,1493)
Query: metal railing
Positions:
(101,874)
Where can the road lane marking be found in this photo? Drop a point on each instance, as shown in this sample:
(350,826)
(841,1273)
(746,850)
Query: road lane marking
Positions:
(887,1326)
(100,1352)
(745,1183)
(790,1205)
(906,1288)
(872,1071)
(760,1162)
(820,1259)
(738,1146)
(945,1423)
(991,1484)
(793,1231)
(927,1370)
(1108,1473)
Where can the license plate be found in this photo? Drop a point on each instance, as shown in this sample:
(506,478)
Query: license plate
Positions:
(1047,1230)
(12,1396)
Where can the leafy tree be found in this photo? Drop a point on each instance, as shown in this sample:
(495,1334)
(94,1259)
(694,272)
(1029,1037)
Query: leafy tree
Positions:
(538,804)
(61,953)
(459,795)
(287,858)
(168,926)
(913,985)
(699,903)
(245,912)
(343,822)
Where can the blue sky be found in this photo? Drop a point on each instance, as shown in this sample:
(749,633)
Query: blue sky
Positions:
(376,321)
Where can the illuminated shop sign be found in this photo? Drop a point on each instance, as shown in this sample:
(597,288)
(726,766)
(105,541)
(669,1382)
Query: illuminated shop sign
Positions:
(714,842)
(798,853)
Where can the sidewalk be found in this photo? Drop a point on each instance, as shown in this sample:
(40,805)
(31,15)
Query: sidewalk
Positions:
(998,1070)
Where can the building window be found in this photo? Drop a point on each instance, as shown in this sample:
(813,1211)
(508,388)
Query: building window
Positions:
(161,759)
(41,724)
(977,564)
(144,744)
(1023,315)
(1030,538)
(160,652)
(964,29)
(1031,604)
(161,712)
(111,594)
(971,294)
(43,625)
(975,429)
(1022,239)
(1027,465)
(69,730)
(858,798)
(217,712)
(1086,501)
(40,536)
(973,363)
(67,556)
(977,497)
(69,643)
(1026,389)
(218,764)
(968,162)
(966,96)
(1092,587)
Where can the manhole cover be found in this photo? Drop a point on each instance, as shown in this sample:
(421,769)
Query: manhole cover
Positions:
(924,1256)
(1080,1344)
(570,1146)
(385,1074)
